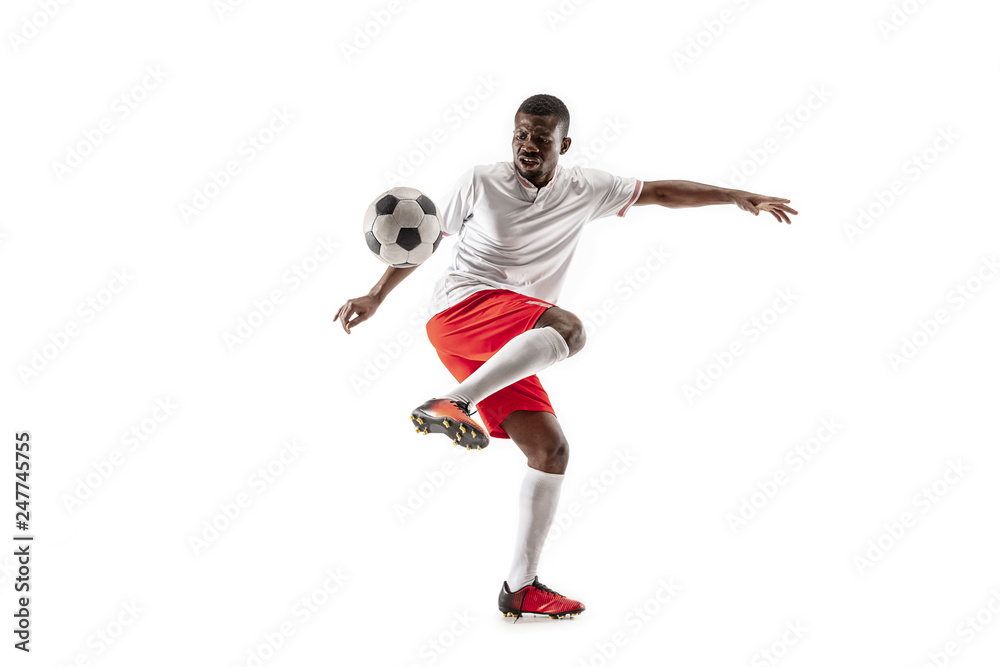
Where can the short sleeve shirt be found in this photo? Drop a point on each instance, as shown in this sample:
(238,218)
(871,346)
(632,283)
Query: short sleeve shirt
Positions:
(515,236)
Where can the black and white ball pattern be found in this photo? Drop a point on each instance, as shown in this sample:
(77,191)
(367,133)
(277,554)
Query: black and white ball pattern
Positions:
(402,227)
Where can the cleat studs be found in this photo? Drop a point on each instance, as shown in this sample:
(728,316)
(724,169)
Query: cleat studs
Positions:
(419,420)
(419,431)
(467,447)
(454,442)
(478,447)
(447,424)
(461,428)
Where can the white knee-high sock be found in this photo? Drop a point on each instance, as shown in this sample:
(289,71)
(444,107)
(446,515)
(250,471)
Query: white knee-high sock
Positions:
(539,499)
(524,355)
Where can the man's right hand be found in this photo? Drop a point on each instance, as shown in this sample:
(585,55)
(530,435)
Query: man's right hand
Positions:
(363,306)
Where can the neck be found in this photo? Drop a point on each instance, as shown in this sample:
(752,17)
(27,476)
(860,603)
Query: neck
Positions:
(541,180)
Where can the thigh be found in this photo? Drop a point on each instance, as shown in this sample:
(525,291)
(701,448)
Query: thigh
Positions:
(459,367)
(483,323)
(526,394)
(530,427)
(557,317)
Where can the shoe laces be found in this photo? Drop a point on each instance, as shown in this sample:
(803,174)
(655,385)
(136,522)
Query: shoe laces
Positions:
(464,407)
(542,587)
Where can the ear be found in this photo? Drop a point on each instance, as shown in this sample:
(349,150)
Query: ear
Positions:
(565,145)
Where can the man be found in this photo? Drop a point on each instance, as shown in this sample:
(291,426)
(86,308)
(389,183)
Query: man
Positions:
(496,323)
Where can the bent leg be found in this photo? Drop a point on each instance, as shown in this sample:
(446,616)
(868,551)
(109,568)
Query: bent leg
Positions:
(540,437)
(521,357)
(569,326)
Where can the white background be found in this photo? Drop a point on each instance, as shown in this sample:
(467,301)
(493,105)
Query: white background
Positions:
(359,499)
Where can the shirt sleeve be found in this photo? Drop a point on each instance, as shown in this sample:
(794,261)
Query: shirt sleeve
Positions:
(457,206)
(613,195)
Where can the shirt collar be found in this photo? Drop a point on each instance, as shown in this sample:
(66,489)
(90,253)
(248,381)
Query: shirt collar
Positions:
(529,184)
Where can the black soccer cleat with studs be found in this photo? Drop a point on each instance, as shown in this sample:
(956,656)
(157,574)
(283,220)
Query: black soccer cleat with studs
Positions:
(440,415)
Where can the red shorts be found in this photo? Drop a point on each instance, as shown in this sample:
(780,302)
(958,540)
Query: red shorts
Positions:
(470,332)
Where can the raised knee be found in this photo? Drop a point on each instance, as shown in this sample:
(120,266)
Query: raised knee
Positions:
(573,332)
(556,454)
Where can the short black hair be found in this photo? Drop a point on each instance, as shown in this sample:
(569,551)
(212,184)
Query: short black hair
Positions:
(547,105)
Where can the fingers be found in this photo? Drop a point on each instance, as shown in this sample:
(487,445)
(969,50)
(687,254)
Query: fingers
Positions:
(345,312)
(779,215)
(358,320)
(342,317)
(779,210)
(776,212)
(783,207)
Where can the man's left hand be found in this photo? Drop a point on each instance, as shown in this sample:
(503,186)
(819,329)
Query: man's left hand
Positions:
(776,206)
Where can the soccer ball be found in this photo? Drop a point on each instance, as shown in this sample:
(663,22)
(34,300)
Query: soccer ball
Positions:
(402,228)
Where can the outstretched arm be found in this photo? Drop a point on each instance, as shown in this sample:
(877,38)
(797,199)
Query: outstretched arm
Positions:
(365,306)
(685,194)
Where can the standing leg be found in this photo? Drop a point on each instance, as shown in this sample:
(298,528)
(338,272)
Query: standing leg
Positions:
(540,437)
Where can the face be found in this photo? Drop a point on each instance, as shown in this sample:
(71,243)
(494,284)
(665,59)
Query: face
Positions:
(537,145)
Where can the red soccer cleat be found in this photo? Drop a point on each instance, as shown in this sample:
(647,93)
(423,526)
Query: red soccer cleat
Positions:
(442,415)
(536,598)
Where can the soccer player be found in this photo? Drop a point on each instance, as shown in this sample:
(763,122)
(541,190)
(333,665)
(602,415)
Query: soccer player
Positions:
(496,323)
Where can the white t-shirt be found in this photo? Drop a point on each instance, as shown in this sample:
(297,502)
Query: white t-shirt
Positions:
(518,237)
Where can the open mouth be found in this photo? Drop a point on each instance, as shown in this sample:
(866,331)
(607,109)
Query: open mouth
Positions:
(528,162)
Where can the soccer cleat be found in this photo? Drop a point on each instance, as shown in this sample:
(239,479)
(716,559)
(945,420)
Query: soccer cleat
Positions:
(536,598)
(442,415)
